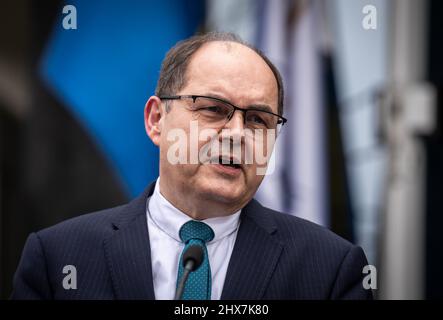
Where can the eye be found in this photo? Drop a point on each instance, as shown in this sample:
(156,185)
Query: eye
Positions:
(213,109)
(256,119)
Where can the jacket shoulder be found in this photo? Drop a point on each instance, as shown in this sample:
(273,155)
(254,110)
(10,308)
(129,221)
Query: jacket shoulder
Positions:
(303,233)
(98,223)
(94,222)
(321,264)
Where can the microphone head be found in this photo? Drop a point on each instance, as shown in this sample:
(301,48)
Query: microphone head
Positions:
(194,252)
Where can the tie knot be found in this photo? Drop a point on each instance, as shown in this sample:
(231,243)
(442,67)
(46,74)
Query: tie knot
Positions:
(196,230)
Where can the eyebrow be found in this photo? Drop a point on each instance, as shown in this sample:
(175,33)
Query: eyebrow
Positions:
(260,107)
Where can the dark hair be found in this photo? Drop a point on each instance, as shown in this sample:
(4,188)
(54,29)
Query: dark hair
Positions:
(173,71)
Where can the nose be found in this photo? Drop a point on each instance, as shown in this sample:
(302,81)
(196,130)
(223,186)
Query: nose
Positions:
(236,121)
(234,128)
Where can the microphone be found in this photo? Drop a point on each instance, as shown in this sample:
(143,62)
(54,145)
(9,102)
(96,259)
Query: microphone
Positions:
(191,260)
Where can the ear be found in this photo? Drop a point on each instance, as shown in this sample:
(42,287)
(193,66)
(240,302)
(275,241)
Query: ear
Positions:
(153,116)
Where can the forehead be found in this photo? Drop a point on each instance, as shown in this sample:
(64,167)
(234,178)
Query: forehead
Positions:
(233,71)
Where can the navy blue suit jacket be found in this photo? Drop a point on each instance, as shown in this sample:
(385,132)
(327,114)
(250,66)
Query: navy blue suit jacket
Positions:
(276,256)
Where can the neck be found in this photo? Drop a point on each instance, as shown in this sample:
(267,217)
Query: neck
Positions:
(196,207)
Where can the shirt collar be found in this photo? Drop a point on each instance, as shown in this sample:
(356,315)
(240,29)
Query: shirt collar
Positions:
(169,219)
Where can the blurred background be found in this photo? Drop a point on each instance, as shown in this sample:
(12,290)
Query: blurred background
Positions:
(361,154)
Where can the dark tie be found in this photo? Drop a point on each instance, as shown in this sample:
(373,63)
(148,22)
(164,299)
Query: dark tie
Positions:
(198,285)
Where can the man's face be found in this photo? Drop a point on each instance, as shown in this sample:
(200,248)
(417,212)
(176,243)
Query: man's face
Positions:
(234,73)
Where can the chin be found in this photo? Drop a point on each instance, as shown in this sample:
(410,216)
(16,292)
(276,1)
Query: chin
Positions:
(223,191)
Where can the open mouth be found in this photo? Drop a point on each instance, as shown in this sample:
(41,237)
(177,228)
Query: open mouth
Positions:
(229,162)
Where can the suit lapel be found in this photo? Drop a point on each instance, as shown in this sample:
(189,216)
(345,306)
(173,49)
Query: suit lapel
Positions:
(253,260)
(254,257)
(128,252)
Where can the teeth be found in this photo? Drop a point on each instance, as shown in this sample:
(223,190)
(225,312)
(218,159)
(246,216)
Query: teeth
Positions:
(228,162)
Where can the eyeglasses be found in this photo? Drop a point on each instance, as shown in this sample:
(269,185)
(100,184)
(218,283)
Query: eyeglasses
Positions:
(218,112)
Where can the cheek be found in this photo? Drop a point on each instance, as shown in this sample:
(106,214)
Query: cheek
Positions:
(260,148)
(175,156)
(252,177)
(173,142)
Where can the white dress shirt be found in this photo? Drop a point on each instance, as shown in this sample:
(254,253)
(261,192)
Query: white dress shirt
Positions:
(164,223)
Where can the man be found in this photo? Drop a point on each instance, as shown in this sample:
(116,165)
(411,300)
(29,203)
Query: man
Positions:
(201,200)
